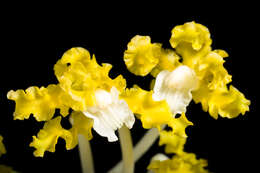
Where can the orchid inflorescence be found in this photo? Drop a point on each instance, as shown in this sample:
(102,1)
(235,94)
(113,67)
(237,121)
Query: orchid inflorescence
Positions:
(189,71)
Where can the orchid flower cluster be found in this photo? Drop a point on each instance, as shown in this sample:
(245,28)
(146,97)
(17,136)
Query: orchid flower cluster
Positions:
(191,70)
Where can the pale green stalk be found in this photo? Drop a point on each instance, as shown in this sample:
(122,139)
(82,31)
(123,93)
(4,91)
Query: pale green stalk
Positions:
(140,149)
(126,149)
(85,155)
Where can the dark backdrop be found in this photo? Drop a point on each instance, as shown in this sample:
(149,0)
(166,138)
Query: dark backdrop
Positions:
(33,40)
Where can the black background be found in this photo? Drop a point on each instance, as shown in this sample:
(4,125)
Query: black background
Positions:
(33,40)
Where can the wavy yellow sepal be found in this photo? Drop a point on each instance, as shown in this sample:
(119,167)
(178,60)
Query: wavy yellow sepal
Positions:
(2,147)
(80,76)
(141,55)
(152,113)
(47,138)
(185,163)
(168,60)
(80,125)
(211,70)
(41,102)
(228,104)
(192,41)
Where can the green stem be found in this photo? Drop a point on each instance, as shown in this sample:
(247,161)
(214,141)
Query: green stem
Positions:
(127,149)
(140,148)
(85,155)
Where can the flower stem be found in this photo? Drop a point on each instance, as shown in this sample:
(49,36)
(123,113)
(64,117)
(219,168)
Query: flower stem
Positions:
(85,155)
(127,149)
(140,148)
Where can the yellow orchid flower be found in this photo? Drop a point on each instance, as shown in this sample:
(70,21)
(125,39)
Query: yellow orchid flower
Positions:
(2,147)
(141,55)
(93,92)
(84,86)
(192,41)
(184,163)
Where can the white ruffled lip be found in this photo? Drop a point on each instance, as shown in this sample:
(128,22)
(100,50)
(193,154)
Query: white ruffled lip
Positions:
(175,87)
(109,114)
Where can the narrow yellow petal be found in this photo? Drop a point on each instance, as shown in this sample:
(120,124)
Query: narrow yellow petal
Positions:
(41,102)
(47,138)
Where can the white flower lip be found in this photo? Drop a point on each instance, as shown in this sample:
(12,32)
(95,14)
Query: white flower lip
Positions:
(160,157)
(109,114)
(175,87)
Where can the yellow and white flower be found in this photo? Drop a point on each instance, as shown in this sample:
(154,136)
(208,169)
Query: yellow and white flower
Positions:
(84,86)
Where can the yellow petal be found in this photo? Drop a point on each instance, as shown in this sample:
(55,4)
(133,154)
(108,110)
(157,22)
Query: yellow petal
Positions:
(179,125)
(141,55)
(152,113)
(173,142)
(80,125)
(192,41)
(41,102)
(213,93)
(211,71)
(2,147)
(228,104)
(47,138)
(168,60)
(80,76)
(175,139)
